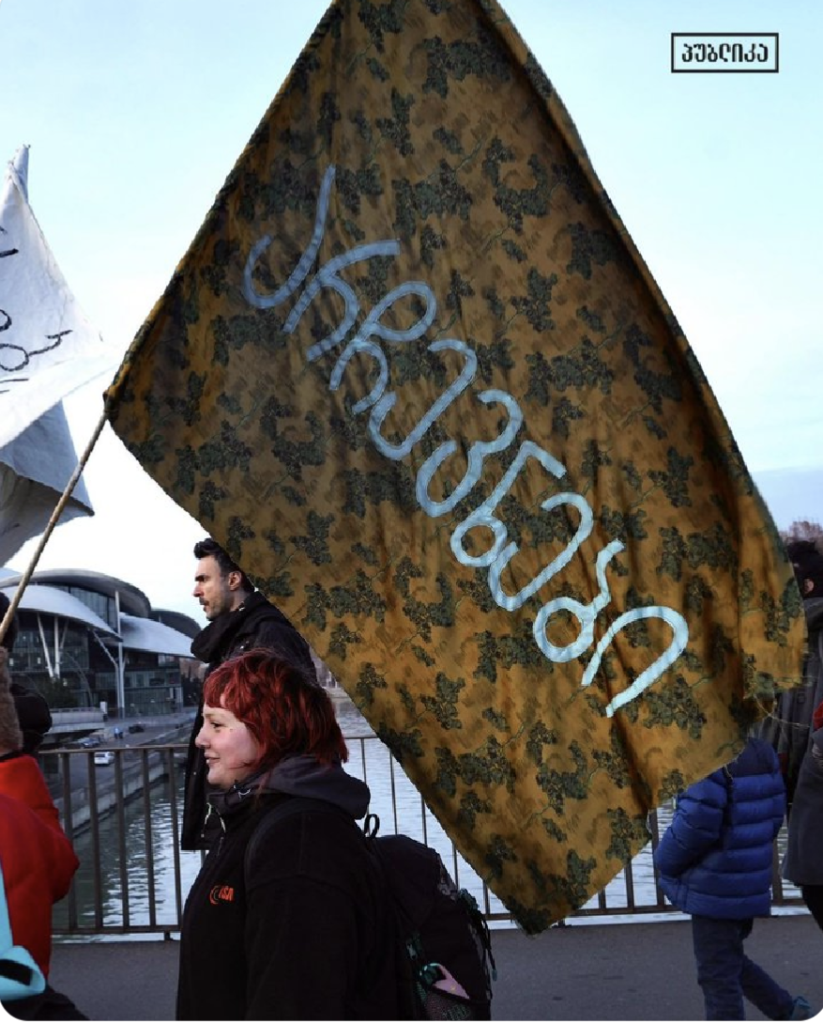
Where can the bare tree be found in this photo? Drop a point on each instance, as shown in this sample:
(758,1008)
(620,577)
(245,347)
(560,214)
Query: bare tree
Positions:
(804,529)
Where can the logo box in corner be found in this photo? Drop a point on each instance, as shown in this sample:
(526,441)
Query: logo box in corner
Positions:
(725,52)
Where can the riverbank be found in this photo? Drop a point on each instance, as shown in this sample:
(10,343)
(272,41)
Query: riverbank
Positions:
(89,784)
(580,972)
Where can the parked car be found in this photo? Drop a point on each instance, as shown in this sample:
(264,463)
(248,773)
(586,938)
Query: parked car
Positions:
(137,727)
(103,757)
(90,741)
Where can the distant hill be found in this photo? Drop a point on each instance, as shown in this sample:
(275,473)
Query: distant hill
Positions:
(792,494)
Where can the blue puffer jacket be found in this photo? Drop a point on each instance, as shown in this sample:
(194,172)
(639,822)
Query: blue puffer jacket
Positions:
(715,859)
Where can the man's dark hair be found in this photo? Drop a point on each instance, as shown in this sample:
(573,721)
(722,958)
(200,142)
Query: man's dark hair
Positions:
(11,632)
(209,547)
(808,564)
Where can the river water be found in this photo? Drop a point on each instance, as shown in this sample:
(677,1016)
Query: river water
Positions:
(123,884)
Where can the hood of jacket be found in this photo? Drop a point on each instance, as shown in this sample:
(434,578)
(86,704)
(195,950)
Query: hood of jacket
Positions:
(301,775)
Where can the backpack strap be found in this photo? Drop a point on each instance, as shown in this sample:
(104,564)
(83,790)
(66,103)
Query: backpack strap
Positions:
(282,810)
(371,826)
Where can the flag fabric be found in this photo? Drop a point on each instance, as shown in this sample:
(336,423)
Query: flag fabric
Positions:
(414,375)
(47,346)
(38,461)
(34,470)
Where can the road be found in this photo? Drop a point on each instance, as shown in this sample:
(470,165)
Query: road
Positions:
(166,729)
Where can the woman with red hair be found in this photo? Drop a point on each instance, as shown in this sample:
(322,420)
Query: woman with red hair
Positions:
(288,919)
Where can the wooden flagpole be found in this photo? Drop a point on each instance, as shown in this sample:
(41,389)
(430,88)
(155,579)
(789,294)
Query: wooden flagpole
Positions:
(55,516)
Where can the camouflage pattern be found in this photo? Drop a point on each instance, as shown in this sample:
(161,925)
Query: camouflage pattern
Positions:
(449,320)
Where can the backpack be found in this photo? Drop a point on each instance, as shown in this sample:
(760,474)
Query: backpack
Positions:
(445,961)
(446,942)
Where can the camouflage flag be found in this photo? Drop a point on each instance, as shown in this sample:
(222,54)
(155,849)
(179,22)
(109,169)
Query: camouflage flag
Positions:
(414,375)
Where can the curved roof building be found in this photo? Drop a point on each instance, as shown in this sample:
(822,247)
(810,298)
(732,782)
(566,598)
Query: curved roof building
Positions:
(148,635)
(42,600)
(89,639)
(132,600)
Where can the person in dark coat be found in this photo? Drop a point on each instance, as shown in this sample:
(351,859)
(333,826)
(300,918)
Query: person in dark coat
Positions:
(288,918)
(803,863)
(789,728)
(240,618)
(715,863)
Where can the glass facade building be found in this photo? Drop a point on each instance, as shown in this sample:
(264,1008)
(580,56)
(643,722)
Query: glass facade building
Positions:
(74,649)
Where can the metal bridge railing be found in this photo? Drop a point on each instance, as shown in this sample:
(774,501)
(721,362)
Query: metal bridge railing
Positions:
(123,819)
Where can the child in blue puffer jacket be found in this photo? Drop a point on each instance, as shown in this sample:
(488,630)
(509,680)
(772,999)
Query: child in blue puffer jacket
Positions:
(715,863)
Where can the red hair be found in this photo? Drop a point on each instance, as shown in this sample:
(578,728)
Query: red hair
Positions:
(285,713)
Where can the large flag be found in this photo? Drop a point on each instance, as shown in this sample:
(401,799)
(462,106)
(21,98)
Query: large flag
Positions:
(34,470)
(37,463)
(47,346)
(415,376)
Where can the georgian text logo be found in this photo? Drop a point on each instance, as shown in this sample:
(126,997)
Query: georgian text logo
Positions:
(725,52)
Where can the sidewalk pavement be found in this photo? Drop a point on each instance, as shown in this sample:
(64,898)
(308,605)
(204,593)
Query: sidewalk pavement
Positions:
(594,972)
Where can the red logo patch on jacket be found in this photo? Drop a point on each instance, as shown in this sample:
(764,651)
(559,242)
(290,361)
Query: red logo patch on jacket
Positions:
(221,894)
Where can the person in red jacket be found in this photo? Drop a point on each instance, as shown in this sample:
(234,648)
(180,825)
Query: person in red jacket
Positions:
(37,859)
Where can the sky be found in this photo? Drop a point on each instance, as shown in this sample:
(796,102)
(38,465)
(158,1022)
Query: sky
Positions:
(136,111)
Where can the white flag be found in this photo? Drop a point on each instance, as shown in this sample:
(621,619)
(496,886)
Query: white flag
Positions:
(34,469)
(36,464)
(47,346)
